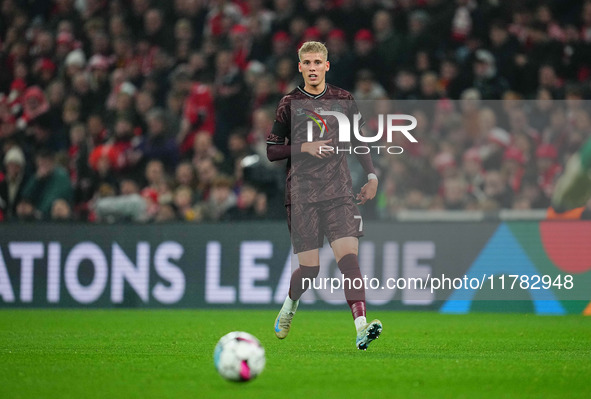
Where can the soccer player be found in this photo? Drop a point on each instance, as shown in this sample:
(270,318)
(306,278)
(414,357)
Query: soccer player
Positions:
(573,188)
(319,194)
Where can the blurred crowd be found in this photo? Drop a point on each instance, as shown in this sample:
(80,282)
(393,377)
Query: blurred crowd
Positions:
(147,110)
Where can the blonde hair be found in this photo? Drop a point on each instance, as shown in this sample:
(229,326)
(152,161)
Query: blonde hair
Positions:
(313,47)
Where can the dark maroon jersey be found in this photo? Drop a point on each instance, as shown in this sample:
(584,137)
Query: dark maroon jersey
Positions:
(311,179)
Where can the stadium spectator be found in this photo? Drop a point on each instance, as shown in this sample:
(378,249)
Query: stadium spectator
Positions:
(34,105)
(103,176)
(498,140)
(389,42)
(264,92)
(144,103)
(97,130)
(496,190)
(220,199)
(512,167)
(25,211)
(285,74)
(429,87)
(342,70)
(61,211)
(155,176)
(185,175)
(78,167)
(155,144)
(472,169)
(167,212)
(157,31)
(455,194)
(12,183)
(183,202)
(207,171)
(230,99)
(203,149)
(486,80)
(449,81)
(284,11)
(50,182)
(245,208)
(237,149)
(405,85)
(366,55)
(199,114)
(548,168)
(418,37)
(366,88)
(549,80)
(43,72)
(118,149)
(280,48)
(504,48)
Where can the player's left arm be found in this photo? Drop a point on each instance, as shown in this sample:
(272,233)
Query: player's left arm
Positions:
(369,189)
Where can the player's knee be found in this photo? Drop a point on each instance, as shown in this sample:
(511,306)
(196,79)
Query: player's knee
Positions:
(310,272)
(348,263)
(345,246)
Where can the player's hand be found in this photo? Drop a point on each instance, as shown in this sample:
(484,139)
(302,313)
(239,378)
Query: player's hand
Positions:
(319,149)
(368,192)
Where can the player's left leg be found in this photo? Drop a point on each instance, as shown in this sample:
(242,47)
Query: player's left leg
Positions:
(301,280)
(306,238)
(345,250)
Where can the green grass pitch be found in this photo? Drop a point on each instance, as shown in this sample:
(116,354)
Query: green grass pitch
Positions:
(168,354)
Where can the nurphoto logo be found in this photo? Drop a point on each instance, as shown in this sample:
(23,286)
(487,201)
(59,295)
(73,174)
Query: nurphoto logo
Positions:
(387,124)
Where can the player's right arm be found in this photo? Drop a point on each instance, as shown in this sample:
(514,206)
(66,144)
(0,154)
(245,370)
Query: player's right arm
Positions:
(277,151)
(278,144)
(278,139)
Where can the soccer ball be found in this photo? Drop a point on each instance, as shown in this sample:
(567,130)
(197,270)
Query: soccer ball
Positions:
(239,356)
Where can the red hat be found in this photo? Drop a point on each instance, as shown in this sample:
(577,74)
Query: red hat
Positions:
(547,151)
(337,34)
(46,64)
(18,84)
(103,151)
(281,36)
(515,154)
(239,29)
(364,34)
(312,33)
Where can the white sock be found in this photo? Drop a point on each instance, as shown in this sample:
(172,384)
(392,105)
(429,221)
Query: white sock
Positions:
(289,305)
(360,322)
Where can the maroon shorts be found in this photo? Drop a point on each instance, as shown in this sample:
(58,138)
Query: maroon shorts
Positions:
(309,223)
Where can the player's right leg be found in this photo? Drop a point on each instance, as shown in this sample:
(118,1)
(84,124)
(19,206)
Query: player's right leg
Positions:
(345,250)
(344,226)
(573,189)
(368,333)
